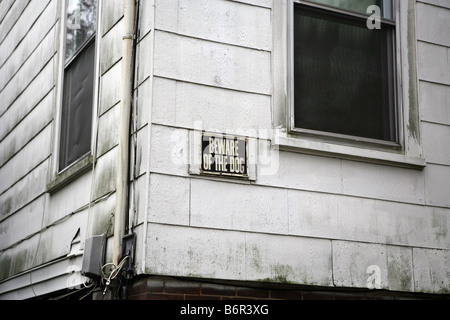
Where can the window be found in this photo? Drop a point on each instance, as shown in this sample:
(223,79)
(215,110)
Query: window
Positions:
(78,82)
(342,89)
(343,71)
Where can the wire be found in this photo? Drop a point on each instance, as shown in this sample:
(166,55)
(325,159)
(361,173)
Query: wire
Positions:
(115,270)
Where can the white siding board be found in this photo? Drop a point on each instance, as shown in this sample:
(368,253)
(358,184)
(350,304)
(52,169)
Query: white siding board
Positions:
(210,63)
(141,150)
(351,260)
(27,101)
(108,130)
(35,35)
(221,21)
(25,222)
(142,100)
(382,182)
(441,3)
(11,16)
(5,7)
(19,258)
(238,207)
(400,269)
(433,63)
(146,18)
(184,251)
(169,200)
(366,220)
(433,24)
(111,47)
(173,150)
(431,270)
(26,159)
(112,13)
(24,132)
(101,219)
(144,59)
(184,104)
(105,174)
(435,102)
(219,254)
(110,88)
(20,29)
(67,200)
(55,241)
(24,191)
(435,143)
(437,188)
(30,69)
(262,3)
(302,171)
(288,259)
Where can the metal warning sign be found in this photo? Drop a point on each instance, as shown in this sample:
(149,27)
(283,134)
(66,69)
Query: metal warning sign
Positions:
(224,155)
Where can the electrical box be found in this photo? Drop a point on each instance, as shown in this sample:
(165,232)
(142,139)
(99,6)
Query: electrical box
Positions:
(128,250)
(94,256)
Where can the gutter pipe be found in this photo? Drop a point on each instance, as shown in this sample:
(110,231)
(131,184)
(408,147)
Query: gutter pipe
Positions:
(121,210)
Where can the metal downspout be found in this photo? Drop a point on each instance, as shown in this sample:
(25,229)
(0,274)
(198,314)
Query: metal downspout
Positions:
(121,210)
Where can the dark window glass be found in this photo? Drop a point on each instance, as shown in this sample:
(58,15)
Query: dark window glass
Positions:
(343,75)
(76,120)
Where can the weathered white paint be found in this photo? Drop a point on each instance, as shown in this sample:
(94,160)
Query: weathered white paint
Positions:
(305,219)
(220,21)
(210,63)
(182,104)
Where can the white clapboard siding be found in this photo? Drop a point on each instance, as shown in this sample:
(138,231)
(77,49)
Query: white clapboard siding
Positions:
(169,200)
(173,144)
(434,102)
(110,88)
(21,27)
(37,90)
(184,104)
(112,13)
(43,25)
(27,159)
(5,8)
(239,207)
(24,191)
(222,21)
(433,24)
(111,47)
(237,255)
(433,63)
(211,63)
(108,130)
(435,143)
(29,70)
(28,128)
(24,222)
(10,13)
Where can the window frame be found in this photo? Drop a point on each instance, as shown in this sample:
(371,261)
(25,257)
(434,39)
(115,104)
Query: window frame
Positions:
(326,134)
(57,177)
(406,153)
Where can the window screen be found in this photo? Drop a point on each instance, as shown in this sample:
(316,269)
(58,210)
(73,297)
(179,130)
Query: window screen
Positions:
(343,74)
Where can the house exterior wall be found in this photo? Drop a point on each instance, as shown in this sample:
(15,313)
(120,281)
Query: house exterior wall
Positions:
(303,219)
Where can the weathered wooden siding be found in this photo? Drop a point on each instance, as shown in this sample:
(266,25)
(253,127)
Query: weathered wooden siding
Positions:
(305,219)
(37,227)
(27,93)
(314,220)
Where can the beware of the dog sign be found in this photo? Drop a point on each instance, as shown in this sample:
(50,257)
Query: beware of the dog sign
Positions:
(224,155)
